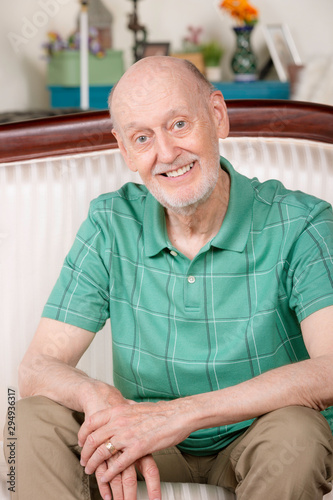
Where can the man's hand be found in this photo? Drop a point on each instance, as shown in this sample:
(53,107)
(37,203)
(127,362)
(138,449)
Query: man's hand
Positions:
(136,430)
(124,485)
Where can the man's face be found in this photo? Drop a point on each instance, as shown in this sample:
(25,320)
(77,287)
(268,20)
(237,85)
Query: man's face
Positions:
(169,133)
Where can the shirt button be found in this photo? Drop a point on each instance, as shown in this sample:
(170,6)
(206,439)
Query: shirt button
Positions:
(191,279)
(173,253)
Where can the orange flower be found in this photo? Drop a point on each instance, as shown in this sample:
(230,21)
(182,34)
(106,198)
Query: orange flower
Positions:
(241,10)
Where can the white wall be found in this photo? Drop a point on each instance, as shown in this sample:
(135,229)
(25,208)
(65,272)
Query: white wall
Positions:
(24,24)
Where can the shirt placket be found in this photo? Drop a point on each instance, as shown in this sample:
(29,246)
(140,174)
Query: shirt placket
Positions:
(192,281)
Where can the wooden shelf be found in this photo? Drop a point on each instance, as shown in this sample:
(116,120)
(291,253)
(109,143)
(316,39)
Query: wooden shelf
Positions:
(260,89)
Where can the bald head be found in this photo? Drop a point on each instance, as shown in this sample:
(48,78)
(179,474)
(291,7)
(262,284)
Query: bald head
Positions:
(143,80)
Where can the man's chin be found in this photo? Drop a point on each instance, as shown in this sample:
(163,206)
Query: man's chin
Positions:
(182,207)
(187,203)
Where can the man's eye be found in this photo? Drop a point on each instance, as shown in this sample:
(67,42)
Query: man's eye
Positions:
(180,124)
(142,139)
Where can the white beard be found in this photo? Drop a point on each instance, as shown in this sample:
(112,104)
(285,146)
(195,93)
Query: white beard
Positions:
(187,205)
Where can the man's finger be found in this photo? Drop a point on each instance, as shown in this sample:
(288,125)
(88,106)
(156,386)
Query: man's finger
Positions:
(100,455)
(91,424)
(104,488)
(129,483)
(117,465)
(148,468)
(117,488)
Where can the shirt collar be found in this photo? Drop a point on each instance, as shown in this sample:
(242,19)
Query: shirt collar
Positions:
(234,231)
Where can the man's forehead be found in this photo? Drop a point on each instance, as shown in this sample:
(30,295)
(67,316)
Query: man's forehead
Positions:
(151,83)
(148,96)
(151,68)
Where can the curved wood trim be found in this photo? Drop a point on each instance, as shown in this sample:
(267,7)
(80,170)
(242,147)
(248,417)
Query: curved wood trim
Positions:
(279,118)
(56,135)
(91,131)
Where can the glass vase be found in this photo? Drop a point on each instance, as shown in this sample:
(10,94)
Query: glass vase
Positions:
(244,61)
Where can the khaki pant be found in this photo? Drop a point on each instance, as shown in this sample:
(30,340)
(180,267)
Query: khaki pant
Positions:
(284,455)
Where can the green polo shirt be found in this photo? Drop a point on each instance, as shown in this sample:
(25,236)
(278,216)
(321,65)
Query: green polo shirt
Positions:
(182,327)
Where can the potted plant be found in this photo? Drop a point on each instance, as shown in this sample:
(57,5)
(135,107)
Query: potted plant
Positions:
(212,53)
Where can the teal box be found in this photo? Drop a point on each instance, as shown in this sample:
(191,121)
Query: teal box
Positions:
(64,68)
(69,97)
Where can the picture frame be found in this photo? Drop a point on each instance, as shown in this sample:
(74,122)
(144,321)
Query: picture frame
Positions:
(282,49)
(195,58)
(156,49)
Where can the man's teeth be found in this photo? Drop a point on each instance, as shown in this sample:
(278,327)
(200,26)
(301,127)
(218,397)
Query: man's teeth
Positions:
(180,171)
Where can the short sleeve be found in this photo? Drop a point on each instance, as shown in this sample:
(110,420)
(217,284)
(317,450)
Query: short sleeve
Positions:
(311,263)
(80,296)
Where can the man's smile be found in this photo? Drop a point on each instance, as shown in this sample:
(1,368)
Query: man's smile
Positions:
(179,171)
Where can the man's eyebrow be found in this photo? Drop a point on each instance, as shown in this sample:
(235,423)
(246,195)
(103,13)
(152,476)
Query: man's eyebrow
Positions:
(182,111)
(133,125)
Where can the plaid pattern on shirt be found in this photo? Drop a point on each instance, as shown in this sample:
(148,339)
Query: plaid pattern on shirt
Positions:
(182,327)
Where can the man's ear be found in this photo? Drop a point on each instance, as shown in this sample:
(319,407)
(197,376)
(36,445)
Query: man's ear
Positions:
(123,150)
(220,113)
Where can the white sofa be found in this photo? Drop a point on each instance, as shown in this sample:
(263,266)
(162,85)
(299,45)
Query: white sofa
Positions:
(50,170)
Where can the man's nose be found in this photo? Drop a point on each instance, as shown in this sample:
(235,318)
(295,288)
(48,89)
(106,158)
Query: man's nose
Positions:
(166,148)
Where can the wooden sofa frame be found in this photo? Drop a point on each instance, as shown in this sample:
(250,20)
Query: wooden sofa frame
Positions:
(90,131)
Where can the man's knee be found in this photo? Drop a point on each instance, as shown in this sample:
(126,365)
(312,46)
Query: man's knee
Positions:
(294,434)
(292,447)
(40,417)
(35,411)
(32,407)
(39,406)
(27,415)
(48,452)
(298,434)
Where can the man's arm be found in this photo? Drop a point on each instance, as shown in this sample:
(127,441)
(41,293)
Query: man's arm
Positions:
(48,369)
(144,428)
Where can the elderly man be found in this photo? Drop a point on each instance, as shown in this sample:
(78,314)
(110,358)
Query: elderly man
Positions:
(220,294)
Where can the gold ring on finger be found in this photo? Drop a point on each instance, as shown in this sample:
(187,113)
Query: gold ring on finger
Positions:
(112,449)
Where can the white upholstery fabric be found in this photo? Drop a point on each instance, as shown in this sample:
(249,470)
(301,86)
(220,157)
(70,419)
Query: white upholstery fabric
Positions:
(42,204)
(303,165)
(184,491)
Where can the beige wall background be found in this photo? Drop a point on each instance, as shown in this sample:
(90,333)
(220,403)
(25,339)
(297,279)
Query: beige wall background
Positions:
(25,23)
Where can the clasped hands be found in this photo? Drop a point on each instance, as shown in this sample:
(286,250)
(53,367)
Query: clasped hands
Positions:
(136,430)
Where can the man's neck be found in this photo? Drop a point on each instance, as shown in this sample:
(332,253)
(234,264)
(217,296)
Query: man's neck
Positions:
(190,233)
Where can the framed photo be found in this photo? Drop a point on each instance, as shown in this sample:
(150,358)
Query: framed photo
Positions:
(282,49)
(195,58)
(155,49)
